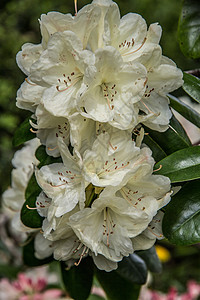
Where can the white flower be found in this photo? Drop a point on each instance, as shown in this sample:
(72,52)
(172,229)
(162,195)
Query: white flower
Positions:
(72,251)
(116,222)
(130,37)
(148,237)
(111,161)
(23,160)
(13,198)
(113,88)
(82,24)
(60,69)
(43,247)
(49,128)
(29,95)
(114,158)
(63,182)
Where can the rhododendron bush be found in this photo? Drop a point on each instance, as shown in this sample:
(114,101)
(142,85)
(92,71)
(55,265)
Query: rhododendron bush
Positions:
(106,168)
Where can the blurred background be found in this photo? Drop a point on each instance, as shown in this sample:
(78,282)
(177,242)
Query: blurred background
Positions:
(18,25)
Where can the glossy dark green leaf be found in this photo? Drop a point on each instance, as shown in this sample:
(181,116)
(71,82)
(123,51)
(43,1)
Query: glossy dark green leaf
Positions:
(116,287)
(44,158)
(173,139)
(23,133)
(29,256)
(30,217)
(151,259)
(133,268)
(181,223)
(182,165)
(189,29)
(185,110)
(192,86)
(32,187)
(78,280)
(157,152)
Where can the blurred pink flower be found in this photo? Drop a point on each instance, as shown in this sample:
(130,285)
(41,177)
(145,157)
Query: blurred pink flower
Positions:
(24,288)
(192,293)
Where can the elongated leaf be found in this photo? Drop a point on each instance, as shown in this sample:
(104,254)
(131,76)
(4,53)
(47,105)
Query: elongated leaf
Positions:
(151,259)
(181,223)
(172,139)
(23,133)
(30,217)
(116,287)
(183,165)
(189,28)
(29,256)
(78,280)
(185,110)
(192,86)
(32,187)
(157,152)
(133,268)
(44,158)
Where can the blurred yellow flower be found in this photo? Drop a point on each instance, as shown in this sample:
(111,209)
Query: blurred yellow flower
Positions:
(163,253)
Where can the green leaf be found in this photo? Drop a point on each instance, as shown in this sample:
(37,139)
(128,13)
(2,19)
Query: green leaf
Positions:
(133,268)
(23,133)
(29,256)
(157,152)
(32,187)
(9,271)
(181,223)
(189,29)
(44,158)
(30,217)
(151,259)
(78,280)
(185,110)
(95,297)
(173,139)
(182,165)
(116,287)
(192,86)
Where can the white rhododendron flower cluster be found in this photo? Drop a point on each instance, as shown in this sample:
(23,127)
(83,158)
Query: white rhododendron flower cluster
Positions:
(92,80)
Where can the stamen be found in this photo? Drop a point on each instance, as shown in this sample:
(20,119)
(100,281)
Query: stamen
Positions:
(158,236)
(51,149)
(145,81)
(127,197)
(84,252)
(108,101)
(149,109)
(75,6)
(107,220)
(123,166)
(58,184)
(114,148)
(57,87)
(136,49)
(158,169)
(30,207)
(34,84)
(34,131)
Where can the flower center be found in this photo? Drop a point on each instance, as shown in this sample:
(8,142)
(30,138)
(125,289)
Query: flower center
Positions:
(109,93)
(108,225)
(67,81)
